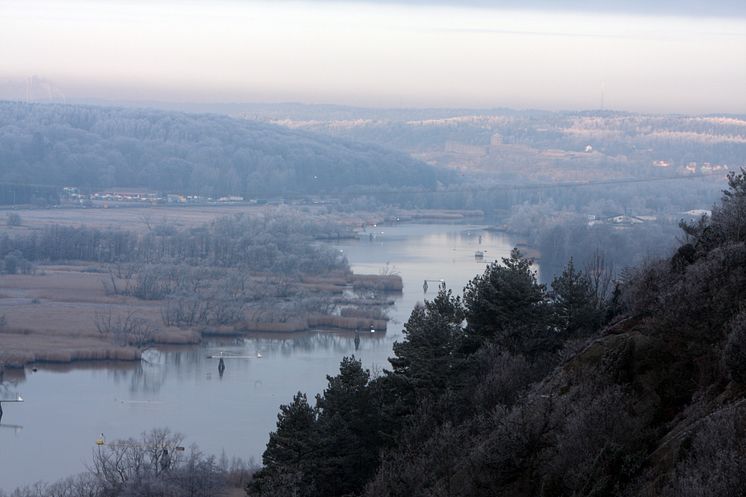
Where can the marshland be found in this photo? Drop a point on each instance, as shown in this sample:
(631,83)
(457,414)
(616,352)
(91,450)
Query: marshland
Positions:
(175,380)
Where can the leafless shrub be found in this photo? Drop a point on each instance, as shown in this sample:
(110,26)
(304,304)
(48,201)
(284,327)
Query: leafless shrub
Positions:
(238,472)
(150,284)
(601,273)
(226,311)
(217,310)
(185,312)
(363,312)
(713,465)
(132,461)
(153,465)
(644,286)
(119,276)
(505,378)
(734,355)
(13,219)
(125,329)
(388,270)
(594,432)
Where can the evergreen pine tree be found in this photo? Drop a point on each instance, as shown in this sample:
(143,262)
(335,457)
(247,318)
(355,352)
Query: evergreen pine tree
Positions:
(575,303)
(508,306)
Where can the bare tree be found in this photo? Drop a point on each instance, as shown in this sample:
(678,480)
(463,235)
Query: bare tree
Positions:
(125,329)
(601,273)
(13,219)
(147,220)
(130,461)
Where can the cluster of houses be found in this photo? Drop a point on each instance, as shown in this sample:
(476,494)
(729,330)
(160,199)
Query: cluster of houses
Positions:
(624,220)
(693,167)
(74,195)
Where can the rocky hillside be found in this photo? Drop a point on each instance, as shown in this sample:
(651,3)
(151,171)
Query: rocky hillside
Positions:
(521,390)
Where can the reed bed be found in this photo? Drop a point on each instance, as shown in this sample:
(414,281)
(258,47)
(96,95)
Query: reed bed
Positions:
(177,337)
(276,327)
(347,323)
(20,359)
(386,282)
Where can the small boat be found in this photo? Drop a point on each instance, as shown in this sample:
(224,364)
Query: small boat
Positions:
(479,254)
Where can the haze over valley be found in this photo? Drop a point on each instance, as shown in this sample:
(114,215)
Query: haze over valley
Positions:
(393,249)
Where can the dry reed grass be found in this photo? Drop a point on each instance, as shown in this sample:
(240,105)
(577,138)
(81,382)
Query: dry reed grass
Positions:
(386,283)
(18,359)
(286,327)
(346,323)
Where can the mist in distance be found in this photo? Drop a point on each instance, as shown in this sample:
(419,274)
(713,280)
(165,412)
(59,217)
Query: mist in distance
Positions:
(399,54)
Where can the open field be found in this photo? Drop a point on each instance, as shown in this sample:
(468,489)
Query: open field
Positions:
(144,218)
(50,316)
(54,314)
(131,218)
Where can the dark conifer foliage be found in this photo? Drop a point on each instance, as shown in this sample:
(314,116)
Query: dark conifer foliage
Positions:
(330,449)
(507,304)
(576,304)
(428,357)
(520,391)
(290,450)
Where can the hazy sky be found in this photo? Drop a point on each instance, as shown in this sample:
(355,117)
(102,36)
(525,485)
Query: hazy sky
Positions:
(666,56)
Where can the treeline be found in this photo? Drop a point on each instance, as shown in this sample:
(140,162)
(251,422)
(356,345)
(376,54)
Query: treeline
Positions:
(96,147)
(516,389)
(29,194)
(154,465)
(635,139)
(441,373)
(626,236)
(273,244)
(622,246)
(235,274)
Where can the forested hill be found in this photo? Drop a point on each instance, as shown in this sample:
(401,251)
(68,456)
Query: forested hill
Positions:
(53,144)
(586,388)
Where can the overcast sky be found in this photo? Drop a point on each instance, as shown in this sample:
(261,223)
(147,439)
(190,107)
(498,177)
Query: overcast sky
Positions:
(657,56)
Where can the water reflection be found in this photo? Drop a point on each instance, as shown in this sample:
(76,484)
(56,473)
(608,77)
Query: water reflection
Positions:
(183,363)
(181,387)
(16,428)
(8,397)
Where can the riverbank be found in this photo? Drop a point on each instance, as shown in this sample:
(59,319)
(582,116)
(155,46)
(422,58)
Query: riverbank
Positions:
(53,316)
(123,399)
(146,218)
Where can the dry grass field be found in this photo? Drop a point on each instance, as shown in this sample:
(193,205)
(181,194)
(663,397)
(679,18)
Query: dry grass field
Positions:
(51,316)
(131,218)
(142,218)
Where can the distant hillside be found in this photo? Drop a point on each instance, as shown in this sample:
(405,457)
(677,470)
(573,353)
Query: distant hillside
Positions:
(533,145)
(53,144)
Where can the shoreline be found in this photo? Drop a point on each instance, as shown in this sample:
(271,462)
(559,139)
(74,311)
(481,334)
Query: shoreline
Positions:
(19,361)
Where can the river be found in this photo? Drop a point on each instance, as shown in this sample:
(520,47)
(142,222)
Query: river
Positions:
(52,434)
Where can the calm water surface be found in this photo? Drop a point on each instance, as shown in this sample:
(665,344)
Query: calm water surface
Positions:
(53,433)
